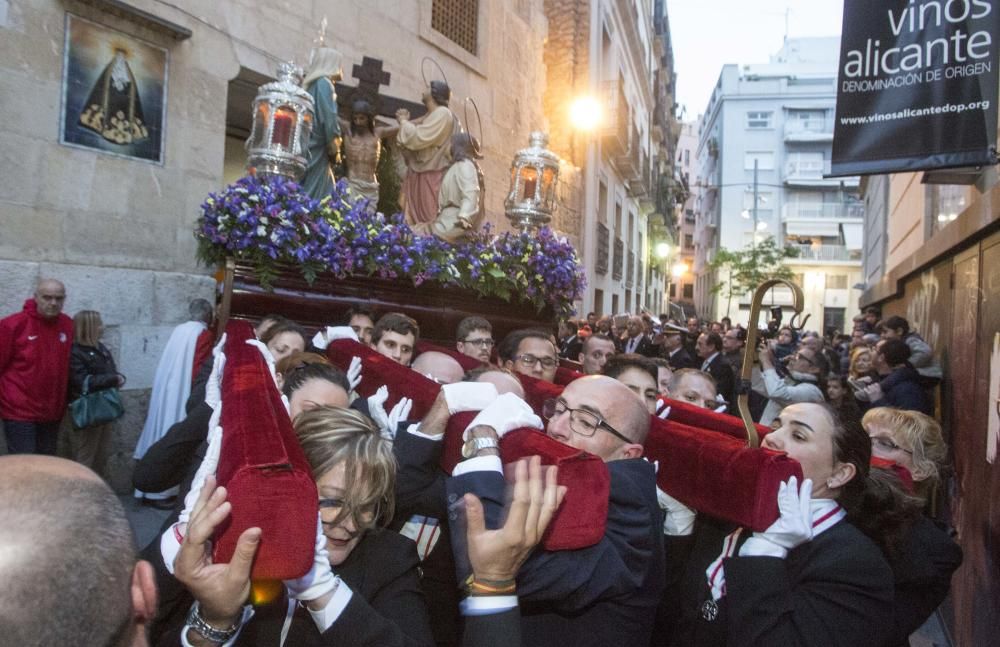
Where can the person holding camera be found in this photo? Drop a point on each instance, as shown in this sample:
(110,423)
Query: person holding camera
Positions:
(804,383)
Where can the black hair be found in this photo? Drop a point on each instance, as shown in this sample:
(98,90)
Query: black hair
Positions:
(714,339)
(895,351)
(596,337)
(896,322)
(283,327)
(358,310)
(508,347)
(618,364)
(299,368)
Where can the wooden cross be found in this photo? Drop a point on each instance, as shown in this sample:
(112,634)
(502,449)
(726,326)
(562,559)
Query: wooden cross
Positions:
(371,77)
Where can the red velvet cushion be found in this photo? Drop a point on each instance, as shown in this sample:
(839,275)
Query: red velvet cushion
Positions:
(566,375)
(378,370)
(262,467)
(718,474)
(688,414)
(468,363)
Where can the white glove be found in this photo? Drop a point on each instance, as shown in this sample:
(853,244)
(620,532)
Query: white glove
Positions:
(268,357)
(793,527)
(679,520)
(874,392)
(388,423)
(320,579)
(662,410)
(507,413)
(354,372)
(469,396)
(323,338)
(722,404)
(170,540)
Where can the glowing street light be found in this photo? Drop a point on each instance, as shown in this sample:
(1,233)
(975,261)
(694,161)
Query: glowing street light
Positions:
(585,113)
(662,250)
(679,269)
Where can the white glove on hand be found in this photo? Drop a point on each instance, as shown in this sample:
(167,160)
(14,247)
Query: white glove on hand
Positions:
(679,520)
(507,413)
(388,423)
(320,579)
(793,527)
(170,540)
(332,333)
(662,410)
(469,396)
(354,373)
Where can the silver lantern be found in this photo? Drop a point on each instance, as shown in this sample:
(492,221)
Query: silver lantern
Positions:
(533,176)
(282,125)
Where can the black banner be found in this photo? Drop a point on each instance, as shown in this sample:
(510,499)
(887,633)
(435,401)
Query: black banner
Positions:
(917,86)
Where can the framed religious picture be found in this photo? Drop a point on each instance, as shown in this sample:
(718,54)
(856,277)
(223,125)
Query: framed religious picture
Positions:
(114,92)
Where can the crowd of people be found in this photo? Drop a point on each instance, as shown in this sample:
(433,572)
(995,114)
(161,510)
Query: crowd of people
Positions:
(407,554)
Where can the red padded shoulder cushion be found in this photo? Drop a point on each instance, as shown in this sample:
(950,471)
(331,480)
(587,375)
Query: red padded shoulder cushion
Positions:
(263,467)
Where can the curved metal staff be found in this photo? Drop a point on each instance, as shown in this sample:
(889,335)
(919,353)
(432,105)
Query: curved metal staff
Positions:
(750,351)
(477,144)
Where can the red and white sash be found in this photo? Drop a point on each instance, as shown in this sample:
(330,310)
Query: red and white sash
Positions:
(826,513)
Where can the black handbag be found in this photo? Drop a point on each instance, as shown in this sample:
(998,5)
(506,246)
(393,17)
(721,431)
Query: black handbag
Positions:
(97,408)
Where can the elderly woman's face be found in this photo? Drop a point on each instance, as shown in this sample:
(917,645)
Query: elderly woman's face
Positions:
(889,444)
(863,363)
(343,536)
(805,432)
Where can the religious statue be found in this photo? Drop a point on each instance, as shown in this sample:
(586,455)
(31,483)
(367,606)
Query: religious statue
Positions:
(325,68)
(113,109)
(424,144)
(460,200)
(362,146)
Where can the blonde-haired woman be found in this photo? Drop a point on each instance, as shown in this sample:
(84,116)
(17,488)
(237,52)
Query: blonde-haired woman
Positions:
(927,557)
(363,588)
(90,361)
(861,363)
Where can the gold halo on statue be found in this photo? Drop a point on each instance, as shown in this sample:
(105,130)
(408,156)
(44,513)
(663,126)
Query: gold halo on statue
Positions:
(477,143)
(423,71)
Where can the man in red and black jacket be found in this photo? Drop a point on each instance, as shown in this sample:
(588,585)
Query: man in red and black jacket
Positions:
(34,370)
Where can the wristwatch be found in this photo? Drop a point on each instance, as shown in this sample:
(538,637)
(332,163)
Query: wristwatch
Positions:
(207,631)
(474,445)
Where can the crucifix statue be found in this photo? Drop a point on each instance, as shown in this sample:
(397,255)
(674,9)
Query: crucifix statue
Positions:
(362,135)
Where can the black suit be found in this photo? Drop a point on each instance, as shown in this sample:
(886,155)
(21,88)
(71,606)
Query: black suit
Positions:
(725,381)
(493,630)
(386,608)
(681,359)
(833,591)
(570,347)
(605,594)
(644,347)
(922,571)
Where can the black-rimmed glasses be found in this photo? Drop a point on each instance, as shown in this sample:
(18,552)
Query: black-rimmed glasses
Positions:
(482,343)
(530,360)
(583,422)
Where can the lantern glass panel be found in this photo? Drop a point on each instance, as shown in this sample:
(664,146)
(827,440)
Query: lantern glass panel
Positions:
(529,180)
(284,126)
(548,183)
(258,137)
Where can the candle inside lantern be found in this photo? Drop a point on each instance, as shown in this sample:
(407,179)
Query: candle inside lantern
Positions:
(530,176)
(281,134)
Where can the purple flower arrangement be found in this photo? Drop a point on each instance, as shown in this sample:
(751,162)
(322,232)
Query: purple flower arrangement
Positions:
(270,223)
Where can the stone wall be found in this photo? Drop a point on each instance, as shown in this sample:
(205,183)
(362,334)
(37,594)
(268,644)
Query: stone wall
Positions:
(118,232)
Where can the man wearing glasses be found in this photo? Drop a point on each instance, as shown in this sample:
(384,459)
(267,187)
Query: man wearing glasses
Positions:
(475,338)
(805,370)
(606,593)
(529,352)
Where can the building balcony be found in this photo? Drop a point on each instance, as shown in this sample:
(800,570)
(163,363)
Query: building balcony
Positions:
(805,131)
(814,253)
(825,210)
(809,173)
(615,131)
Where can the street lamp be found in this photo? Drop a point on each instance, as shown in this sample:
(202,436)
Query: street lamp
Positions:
(662,251)
(585,113)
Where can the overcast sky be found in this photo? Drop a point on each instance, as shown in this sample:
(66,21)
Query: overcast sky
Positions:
(707,34)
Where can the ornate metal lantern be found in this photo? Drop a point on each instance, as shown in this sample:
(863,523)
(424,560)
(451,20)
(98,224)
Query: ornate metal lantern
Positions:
(282,125)
(533,175)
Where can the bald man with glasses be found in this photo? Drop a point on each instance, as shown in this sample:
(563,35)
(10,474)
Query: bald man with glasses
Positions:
(606,593)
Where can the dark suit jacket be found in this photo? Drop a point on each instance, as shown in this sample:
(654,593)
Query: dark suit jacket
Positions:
(834,591)
(645,347)
(387,607)
(170,459)
(570,347)
(681,359)
(493,630)
(724,378)
(922,571)
(605,594)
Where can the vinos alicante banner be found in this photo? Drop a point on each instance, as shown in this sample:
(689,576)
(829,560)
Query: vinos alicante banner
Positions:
(917,86)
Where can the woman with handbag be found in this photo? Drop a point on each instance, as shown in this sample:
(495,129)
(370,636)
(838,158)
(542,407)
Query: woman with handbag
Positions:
(93,386)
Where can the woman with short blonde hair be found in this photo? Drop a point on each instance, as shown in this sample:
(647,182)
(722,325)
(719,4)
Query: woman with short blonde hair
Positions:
(90,364)
(908,438)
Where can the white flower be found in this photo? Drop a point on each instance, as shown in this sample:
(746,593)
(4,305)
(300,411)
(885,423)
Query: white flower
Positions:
(261,230)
